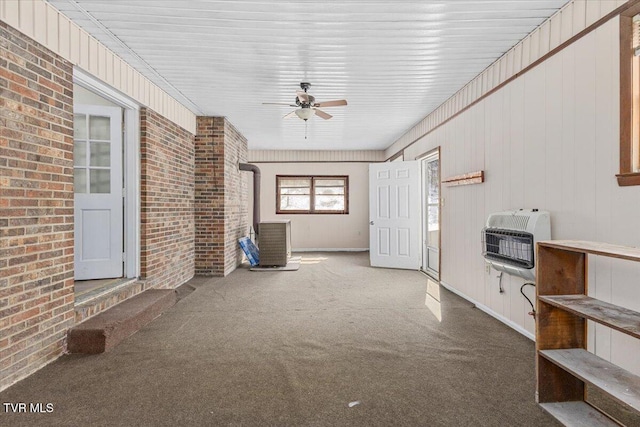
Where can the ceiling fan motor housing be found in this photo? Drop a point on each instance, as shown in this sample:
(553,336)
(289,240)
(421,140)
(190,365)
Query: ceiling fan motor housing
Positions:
(311,99)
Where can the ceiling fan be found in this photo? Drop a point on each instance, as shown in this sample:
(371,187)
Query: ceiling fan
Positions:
(308,107)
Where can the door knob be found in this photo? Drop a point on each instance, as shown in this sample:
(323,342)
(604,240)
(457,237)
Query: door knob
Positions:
(370,222)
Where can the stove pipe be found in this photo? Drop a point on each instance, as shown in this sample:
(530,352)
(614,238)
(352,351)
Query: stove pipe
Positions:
(256,192)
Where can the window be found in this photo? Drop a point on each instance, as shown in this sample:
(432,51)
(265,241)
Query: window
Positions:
(312,194)
(629,97)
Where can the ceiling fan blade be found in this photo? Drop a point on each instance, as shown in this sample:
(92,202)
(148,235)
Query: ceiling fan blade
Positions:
(334,103)
(302,96)
(279,103)
(322,114)
(291,114)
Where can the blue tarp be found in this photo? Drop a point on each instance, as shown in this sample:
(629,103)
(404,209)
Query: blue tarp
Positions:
(250,250)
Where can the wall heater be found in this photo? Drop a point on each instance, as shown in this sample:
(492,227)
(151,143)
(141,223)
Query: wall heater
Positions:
(509,239)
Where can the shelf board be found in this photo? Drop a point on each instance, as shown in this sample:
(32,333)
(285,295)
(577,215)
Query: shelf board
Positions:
(578,414)
(620,384)
(595,248)
(613,316)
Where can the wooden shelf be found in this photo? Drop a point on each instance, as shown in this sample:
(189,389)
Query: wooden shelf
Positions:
(563,365)
(578,414)
(613,316)
(594,248)
(620,384)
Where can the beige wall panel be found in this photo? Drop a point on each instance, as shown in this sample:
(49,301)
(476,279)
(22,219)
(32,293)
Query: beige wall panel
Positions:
(526,52)
(592,12)
(64,37)
(534,46)
(53,30)
(108,66)
(517,58)
(40,22)
(26,17)
(566,29)
(544,42)
(579,16)
(607,6)
(93,57)
(83,52)
(555,30)
(74,42)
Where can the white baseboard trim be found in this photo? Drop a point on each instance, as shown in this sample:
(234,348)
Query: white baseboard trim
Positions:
(330,250)
(490,312)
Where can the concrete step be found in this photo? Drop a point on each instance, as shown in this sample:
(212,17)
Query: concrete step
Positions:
(107,329)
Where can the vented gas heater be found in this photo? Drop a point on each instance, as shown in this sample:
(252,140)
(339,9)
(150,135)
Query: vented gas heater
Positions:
(509,239)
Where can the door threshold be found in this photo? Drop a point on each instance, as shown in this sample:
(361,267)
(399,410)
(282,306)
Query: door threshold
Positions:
(88,290)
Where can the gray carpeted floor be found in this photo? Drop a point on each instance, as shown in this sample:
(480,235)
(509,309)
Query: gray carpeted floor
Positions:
(294,349)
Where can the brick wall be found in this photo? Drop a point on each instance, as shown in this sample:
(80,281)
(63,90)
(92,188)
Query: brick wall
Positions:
(236,208)
(167,202)
(209,204)
(36,205)
(221,196)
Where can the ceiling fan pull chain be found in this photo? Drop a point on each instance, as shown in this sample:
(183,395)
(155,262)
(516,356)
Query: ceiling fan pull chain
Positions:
(305,129)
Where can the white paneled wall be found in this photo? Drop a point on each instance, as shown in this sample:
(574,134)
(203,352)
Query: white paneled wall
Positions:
(566,23)
(547,140)
(42,22)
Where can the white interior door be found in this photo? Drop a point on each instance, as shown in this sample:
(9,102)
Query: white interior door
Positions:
(97,178)
(431,214)
(394,214)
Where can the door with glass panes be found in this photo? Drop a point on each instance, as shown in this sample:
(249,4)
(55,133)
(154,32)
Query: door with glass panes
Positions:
(97,179)
(431,214)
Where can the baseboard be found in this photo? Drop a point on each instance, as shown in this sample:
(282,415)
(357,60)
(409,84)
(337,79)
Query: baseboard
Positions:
(490,312)
(330,250)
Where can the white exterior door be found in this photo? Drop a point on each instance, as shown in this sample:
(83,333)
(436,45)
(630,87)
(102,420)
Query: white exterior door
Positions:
(97,178)
(431,215)
(394,214)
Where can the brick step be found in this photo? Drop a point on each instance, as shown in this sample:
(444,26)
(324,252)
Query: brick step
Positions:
(107,329)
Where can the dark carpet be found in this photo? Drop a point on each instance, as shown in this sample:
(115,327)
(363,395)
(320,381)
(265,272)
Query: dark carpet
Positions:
(295,349)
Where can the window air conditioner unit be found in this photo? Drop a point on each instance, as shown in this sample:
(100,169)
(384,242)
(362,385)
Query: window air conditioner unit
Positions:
(275,243)
(509,239)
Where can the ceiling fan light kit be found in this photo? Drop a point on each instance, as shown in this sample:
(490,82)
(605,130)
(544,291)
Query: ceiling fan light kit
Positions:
(305,113)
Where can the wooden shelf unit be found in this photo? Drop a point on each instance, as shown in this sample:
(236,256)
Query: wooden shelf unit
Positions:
(563,364)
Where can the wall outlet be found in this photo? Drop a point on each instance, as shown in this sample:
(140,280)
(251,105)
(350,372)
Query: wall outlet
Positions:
(487,268)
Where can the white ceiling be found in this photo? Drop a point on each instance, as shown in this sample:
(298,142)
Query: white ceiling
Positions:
(394,61)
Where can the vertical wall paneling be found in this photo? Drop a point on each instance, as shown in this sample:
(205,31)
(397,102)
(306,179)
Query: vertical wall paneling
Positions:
(579,16)
(40,22)
(546,140)
(93,57)
(566,29)
(12,13)
(26,18)
(555,29)
(585,161)
(592,12)
(554,163)
(564,221)
(543,45)
(64,37)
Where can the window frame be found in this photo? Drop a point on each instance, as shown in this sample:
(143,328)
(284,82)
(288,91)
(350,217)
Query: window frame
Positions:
(312,210)
(629,103)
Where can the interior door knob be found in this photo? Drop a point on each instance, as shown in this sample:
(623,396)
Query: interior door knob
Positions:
(370,222)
